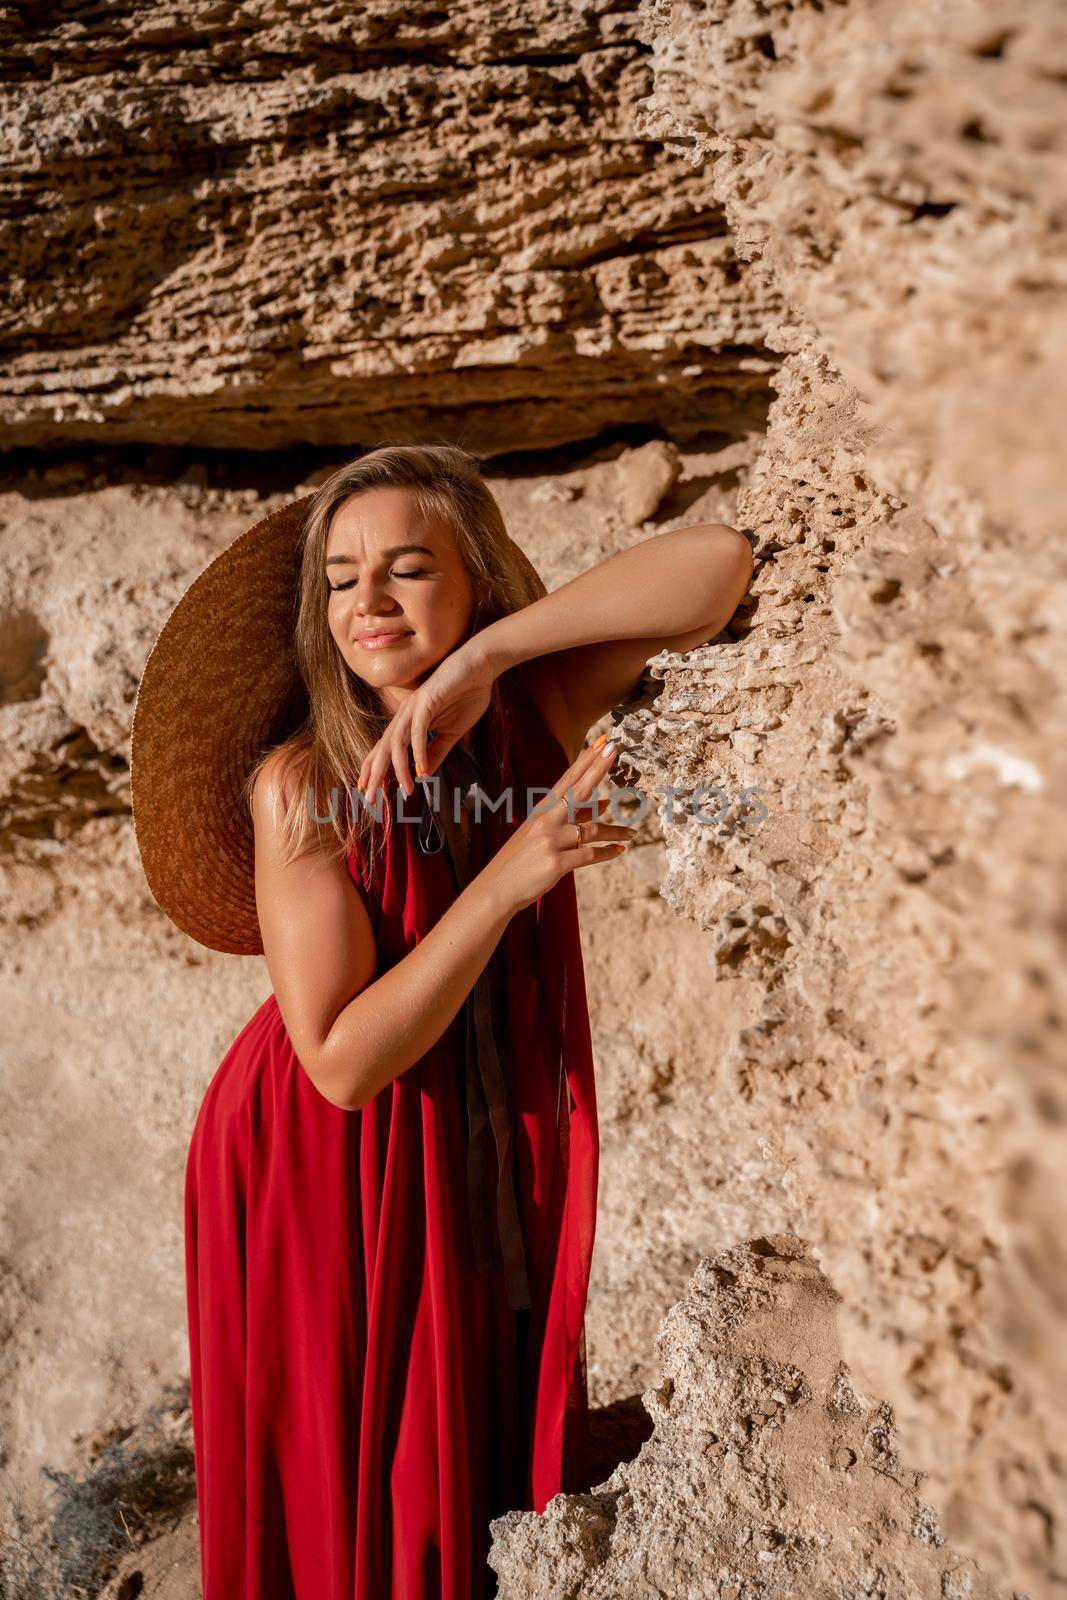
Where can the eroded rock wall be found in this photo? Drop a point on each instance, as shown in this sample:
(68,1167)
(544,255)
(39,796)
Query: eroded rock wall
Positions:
(896,692)
(257,226)
(898,170)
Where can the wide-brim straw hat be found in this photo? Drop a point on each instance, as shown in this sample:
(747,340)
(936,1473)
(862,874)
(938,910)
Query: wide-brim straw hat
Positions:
(220,687)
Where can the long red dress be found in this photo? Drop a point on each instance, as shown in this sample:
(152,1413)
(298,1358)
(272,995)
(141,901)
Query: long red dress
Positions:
(365,1399)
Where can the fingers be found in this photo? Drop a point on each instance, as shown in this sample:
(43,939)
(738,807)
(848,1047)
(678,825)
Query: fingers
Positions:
(583,774)
(437,752)
(608,832)
(594,855)
(583,798)
(363,781)
(401,768)
(574,789)
(598,839)
(424,754)
(580,778)
(373,769)
(377,763)
(434,752)
(610,852)
(390,750)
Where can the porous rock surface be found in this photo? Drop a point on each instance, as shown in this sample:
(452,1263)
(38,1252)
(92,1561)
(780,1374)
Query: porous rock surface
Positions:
(892,900)
(259,225)
(767,1473)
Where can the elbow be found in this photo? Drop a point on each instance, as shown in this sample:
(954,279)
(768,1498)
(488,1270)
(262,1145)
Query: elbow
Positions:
(347,1103)
(329,1084)
(738,554)
(731,555)
(342,1102)
(732,565)
(739,565)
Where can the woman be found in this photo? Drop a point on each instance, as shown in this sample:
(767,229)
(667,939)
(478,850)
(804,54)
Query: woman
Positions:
(390,1197)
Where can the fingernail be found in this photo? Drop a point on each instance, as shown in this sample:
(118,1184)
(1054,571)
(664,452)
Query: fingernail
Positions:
(598,742)
(419,771)
(611,749)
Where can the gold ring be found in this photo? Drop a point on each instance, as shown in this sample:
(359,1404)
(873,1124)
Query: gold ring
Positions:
(578,830)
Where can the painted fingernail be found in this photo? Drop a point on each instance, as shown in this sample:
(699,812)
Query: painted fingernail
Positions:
(419,771)
(610,750)
(598,742)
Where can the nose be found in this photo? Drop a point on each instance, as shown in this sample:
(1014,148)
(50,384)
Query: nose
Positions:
(373,600)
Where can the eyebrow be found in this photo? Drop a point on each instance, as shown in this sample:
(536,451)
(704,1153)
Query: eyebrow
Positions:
(394,550)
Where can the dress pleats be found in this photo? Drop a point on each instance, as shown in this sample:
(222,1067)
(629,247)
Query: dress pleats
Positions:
(365,1400)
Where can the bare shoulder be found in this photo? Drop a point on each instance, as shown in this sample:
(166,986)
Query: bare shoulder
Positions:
(317,932)
(276,782)
(274,788)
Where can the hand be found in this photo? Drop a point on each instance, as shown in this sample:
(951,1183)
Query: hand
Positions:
(544,846)
(451,700)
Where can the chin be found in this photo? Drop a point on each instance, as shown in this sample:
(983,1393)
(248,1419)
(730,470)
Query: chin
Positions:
(394,674)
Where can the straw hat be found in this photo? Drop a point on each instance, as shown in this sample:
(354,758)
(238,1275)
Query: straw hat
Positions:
(220,687)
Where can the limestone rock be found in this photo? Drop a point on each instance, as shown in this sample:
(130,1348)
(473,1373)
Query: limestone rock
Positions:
(352,224)
(645,476)
(766,1473)
(899,172)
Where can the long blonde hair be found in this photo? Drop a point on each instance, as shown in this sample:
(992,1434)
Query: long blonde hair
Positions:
(344,717)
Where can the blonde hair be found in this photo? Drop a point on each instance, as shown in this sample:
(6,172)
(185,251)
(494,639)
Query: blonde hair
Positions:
(344,717)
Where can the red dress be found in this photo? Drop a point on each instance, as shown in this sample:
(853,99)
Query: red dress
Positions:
(364,1398)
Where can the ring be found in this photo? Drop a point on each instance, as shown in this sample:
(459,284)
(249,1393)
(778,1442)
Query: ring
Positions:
(578,831)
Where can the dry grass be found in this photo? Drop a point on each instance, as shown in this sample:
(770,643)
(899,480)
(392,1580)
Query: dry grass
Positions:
(138,1482)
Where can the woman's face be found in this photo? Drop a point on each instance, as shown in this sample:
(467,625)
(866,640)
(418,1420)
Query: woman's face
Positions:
(389,576)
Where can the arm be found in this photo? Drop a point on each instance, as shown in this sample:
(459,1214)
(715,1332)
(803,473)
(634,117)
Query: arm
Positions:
(595,634)
(354,1032)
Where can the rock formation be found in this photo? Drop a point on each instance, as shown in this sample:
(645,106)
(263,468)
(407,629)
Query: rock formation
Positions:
(897,175)
(766,1475)
(255,228)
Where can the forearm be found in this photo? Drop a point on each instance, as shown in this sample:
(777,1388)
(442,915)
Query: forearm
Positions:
(662,586)
(399,1016)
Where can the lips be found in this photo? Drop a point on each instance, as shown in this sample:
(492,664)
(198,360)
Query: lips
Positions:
(379,638)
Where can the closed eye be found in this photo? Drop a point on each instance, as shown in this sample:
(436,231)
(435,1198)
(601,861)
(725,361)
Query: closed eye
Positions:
(413,572)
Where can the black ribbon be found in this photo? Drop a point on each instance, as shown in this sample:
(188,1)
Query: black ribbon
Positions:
(489,1119)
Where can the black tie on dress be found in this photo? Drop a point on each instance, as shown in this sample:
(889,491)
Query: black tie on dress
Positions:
(488,1109)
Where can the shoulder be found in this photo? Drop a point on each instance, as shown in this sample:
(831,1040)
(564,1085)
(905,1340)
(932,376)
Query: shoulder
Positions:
(274,783)
(288,832)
